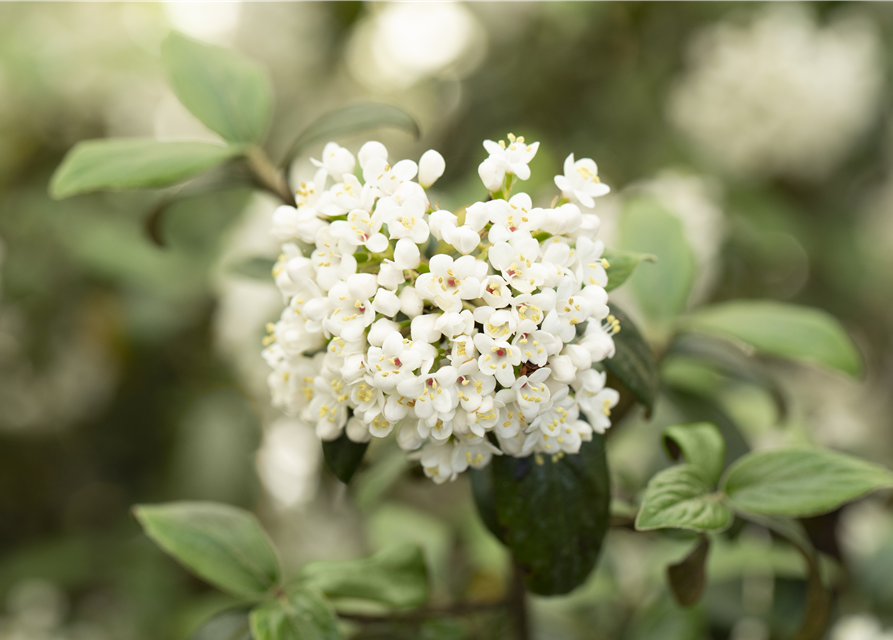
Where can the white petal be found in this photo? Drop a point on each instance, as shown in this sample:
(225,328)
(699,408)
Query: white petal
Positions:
(406,254)
(431,167)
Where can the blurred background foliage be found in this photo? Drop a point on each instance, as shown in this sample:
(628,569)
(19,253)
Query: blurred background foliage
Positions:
(130,372)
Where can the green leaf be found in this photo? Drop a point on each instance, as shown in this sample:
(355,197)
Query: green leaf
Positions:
(784,330)
(621,265)
(633,362)
(230,95)
(343,456)
(700,444)
(256,268)
(231,624)
(302,615)
(224,545)
(646,227)
(396,576)
(686,577)
(553,514)
(800,482)
(352,119)
(133,163)
(681,497)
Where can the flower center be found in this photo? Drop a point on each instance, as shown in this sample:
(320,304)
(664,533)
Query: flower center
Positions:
(500,352)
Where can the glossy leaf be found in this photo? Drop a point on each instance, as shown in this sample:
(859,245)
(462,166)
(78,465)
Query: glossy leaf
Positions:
(633,362)
(645,227)
(302,615)
(553,514)
(785,330)
(353,119)
(224,545)
(133,163)
(700,444)
(686,577)
(621,265)
(229,94)
(231,624)
(343,456)
(800,482)
(396,576)
(681,497)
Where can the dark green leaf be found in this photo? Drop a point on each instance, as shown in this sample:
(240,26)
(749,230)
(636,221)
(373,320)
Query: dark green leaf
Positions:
(646,227)
(681,497)
(700,444)
(133,163)
(621,265)
(257,268)
(352,119)
(784,330)
(633,362)
(553,514)
(343,456)
(230,95)
(482,492)
(800,481)
(686,577)
(224,545)
(396,576)
(231,624)
(302,615)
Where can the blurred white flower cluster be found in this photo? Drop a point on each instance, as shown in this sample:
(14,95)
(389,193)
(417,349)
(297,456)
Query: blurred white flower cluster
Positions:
(457,330)
(780,95)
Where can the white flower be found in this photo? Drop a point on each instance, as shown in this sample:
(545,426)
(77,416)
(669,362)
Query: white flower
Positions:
(434,393)
(515,216)
(595,400)
(405,220)
(498,358)
(473,385)
(515,259)
(431,167)
(353,309)
(360,229)
(473,451)
(370,150)
(437,462)
(336,160)
(511,159)
(580,181)
(570,310)
(449,282)
(447,342)
(387,179)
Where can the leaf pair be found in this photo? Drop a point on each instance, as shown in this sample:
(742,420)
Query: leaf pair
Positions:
(795,482)
(230,95)
(228,548)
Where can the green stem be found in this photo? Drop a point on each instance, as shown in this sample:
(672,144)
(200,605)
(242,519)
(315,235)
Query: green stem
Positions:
(268,176)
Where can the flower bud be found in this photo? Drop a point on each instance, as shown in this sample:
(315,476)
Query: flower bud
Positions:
(370,150)
(491,175)
(431,167)
(410,303)
(386,303)
(380,330)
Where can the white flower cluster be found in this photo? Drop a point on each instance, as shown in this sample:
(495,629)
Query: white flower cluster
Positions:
(471,333)
(780,94)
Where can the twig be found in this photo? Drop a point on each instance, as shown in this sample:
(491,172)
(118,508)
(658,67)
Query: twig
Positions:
(517,604)
(456,609)
(268,176)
